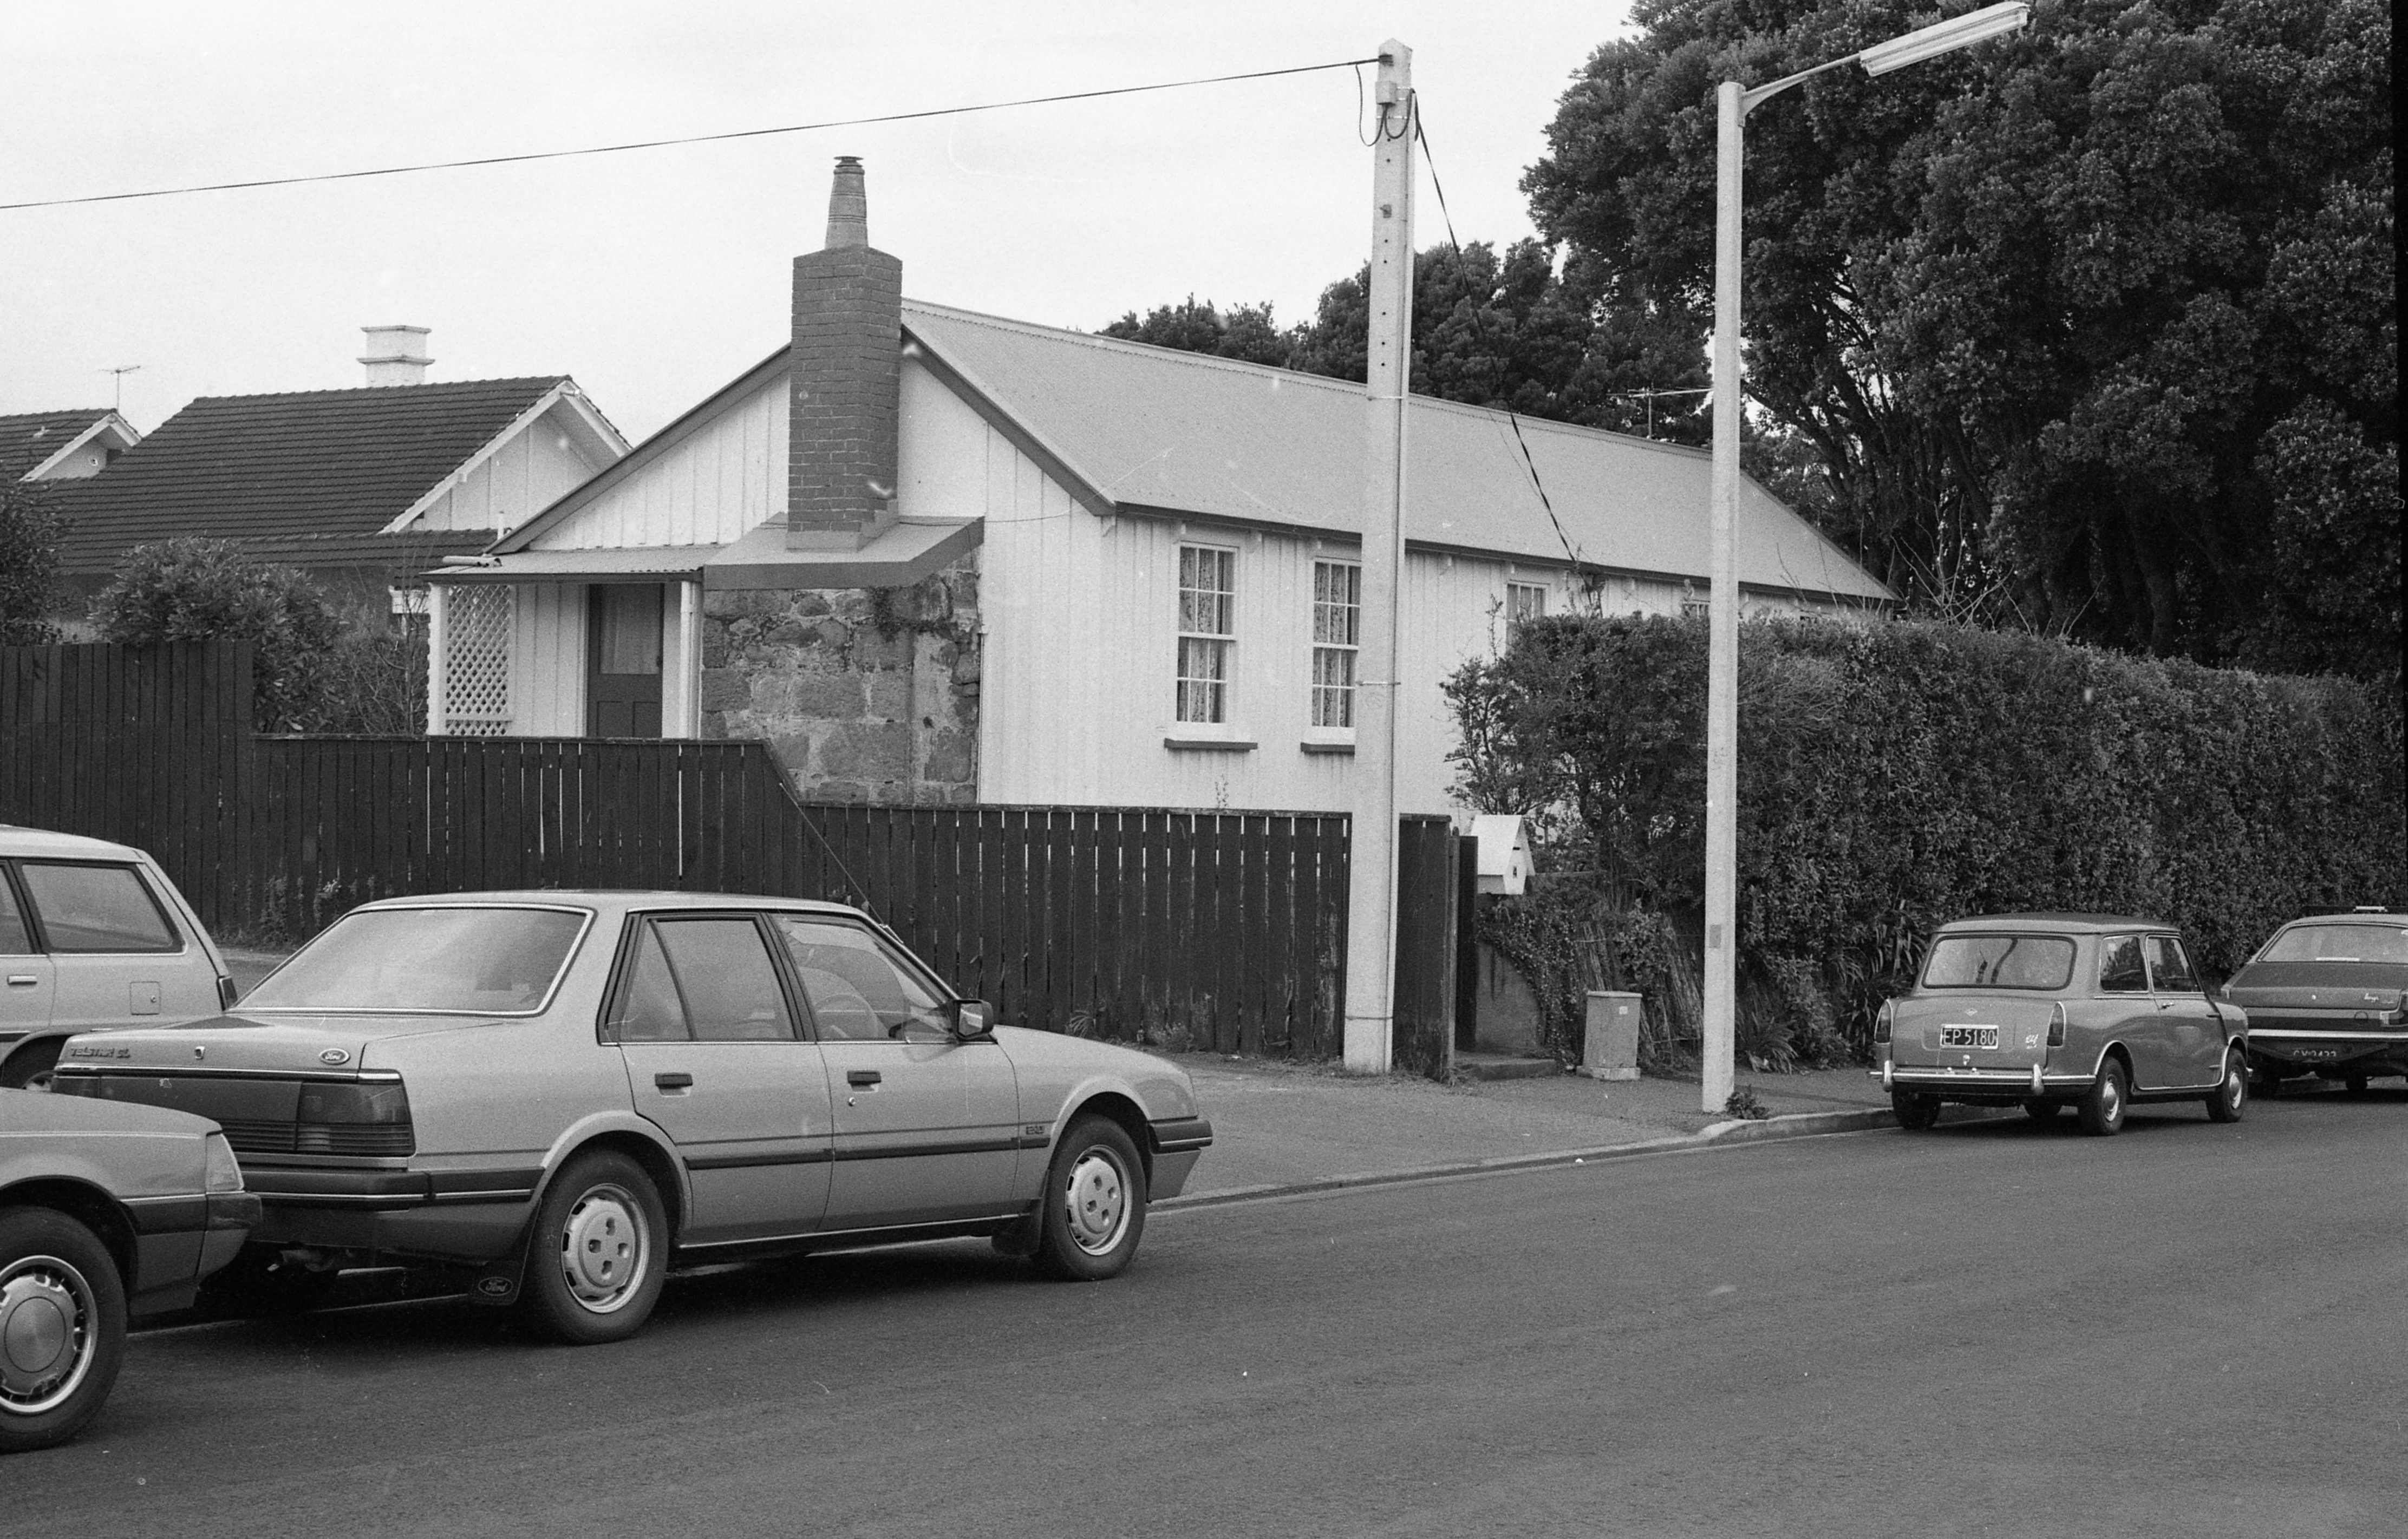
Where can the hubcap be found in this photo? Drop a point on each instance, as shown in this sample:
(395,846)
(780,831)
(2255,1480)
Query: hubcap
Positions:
(604,1248)
(46,1324)
(1096,1199)
(2111,1100)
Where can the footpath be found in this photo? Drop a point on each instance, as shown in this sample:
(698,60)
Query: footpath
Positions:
(1283,1127)
(1280,1127)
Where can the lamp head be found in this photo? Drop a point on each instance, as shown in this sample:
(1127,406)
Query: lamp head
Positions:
(1945,36)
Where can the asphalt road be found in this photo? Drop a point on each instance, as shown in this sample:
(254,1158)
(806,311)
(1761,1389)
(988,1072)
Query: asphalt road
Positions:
(1991,1329)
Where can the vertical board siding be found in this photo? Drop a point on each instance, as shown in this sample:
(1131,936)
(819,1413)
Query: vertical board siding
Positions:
(1184,929)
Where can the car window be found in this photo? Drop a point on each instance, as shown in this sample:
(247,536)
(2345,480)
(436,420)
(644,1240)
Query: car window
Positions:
(96,908)
(15,940)
(1999,961)
(453,959)
(2339,943)
(867,993)
(725,977)
(2120,969)
(2170,967)
(649,1009)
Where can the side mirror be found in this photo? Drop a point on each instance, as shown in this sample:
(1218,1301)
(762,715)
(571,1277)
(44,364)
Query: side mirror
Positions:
(971,1020)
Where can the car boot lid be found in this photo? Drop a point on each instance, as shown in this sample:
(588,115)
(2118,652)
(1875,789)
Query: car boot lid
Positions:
(246,1044)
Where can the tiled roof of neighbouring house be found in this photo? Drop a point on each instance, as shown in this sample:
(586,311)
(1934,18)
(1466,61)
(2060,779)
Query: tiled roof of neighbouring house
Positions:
(276,469)
(28,438)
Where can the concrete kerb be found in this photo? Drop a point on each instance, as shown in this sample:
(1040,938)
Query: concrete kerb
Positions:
(1798,1125)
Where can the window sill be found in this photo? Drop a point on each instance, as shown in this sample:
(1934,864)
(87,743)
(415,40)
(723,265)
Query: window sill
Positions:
(1327,742)
(1195,737)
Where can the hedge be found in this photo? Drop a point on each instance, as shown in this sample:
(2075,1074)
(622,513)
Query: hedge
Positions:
(1895,775)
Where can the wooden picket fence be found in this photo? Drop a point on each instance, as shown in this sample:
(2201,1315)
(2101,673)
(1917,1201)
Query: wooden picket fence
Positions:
(1214,930)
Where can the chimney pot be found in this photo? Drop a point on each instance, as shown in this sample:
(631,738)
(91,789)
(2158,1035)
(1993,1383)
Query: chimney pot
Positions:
(848,222)
(396,355)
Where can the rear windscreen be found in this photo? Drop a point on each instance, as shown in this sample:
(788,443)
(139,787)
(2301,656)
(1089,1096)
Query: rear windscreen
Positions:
(1999,961)
(2340,943)
(446,961)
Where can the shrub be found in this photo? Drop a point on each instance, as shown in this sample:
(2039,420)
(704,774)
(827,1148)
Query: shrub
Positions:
(1898,774)
(29,562)
(192,589)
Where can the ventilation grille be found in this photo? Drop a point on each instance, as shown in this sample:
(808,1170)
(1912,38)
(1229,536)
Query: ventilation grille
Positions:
(477,660)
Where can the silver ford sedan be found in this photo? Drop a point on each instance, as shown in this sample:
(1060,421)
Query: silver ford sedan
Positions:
(562,1093)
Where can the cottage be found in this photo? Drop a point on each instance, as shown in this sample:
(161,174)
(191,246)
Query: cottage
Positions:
(63,446)
(361,487)
(930,555)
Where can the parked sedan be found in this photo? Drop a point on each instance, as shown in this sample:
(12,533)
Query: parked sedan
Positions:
(562,1092)
(104,1212)
(2328,995)
(93,935)
(2046,1011)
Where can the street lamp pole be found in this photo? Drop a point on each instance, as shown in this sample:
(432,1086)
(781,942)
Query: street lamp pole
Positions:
(1732,104)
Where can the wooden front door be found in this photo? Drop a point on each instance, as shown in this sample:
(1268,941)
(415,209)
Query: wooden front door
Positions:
(624,697)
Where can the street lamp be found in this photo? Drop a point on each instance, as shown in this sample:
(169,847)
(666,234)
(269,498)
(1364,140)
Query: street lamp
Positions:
(1733,103)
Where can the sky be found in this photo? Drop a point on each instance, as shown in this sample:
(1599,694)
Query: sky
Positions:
(654,276)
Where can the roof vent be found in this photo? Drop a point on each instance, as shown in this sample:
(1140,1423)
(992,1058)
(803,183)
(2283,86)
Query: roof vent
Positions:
(396,355)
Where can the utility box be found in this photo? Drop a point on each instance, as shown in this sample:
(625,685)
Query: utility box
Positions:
(1611,1048)
(1504,852)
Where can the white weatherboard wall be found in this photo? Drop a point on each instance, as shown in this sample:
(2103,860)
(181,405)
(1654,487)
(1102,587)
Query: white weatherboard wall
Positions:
(721,479)
(547,661)
(530,471)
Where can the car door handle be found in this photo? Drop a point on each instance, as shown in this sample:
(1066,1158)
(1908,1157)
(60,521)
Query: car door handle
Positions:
(673,1081)
(861,1076)
(22,980)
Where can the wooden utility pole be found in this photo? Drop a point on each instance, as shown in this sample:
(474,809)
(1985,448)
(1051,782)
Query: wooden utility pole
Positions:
(1371,894)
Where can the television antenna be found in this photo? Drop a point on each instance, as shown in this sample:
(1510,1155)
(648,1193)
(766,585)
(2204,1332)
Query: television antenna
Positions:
(118,382)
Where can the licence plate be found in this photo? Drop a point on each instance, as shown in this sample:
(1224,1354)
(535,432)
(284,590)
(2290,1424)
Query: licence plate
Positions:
(1969,1036)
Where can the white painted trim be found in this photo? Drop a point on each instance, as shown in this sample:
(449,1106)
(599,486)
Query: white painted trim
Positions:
(681,664)
(566,392)
(438,669)
(110,423)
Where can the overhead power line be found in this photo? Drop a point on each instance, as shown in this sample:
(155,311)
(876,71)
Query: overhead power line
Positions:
(1571,551)
(692,138)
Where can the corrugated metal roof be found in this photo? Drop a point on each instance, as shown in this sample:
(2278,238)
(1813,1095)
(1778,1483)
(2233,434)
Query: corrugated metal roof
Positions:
(1154,428)
(277,468)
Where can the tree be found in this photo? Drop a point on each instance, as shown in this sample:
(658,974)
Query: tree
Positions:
(29,562)
(2098,320)
(1246,332)
(192,589)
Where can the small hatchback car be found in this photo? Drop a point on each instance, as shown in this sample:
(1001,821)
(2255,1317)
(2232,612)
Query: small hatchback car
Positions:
(559,1092)
(2328,995)
(2050,1010)
(93,935)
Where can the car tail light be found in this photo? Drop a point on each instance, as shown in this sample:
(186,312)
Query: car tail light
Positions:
(1880,1022)
(353,1118)
(2057,1025)
(224,1173)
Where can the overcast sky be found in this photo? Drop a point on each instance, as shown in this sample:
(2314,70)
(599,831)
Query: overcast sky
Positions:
(656,276)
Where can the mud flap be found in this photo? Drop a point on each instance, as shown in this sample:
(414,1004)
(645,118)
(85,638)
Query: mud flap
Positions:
(496,1283)
(1019,1240)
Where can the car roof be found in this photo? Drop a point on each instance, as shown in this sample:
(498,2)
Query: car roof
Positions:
(2092,925)
(615,900)
(18,840)
(2361,915)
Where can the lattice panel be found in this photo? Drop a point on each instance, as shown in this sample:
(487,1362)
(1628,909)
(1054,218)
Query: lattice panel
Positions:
(478,621)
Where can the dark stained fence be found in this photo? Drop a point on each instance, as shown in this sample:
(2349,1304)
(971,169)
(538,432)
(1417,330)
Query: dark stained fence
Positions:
(1213,930)
(1221,931)
(149,746)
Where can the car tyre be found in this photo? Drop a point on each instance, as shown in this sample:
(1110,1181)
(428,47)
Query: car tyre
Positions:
(61,1324)
(2267,1083)
(29,1068)
(1915,1112)
(1092,1211)
(2041,1110)
(2232,1097)
(598,1252)
(2103,1105)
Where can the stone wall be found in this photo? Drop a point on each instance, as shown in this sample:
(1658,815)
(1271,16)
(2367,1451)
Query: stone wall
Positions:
(864,694)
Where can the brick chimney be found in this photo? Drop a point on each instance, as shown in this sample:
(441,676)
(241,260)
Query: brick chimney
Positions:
(846,381)
(396,355)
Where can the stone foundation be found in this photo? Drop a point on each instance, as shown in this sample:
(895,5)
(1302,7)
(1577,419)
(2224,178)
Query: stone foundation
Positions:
(864,694)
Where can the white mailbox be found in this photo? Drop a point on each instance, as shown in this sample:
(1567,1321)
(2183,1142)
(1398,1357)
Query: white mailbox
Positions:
(1505,863)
